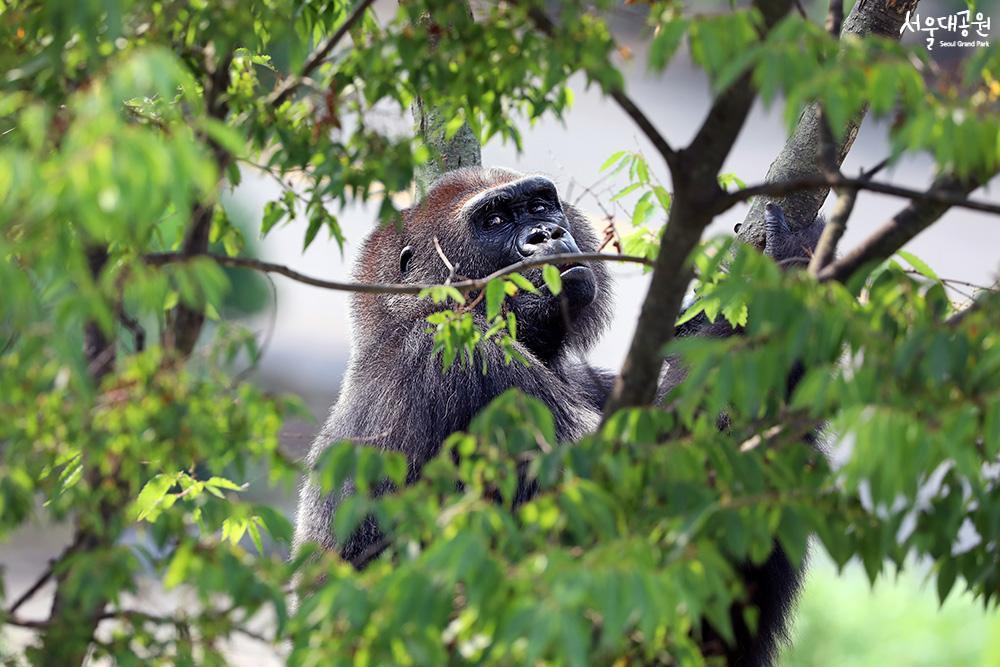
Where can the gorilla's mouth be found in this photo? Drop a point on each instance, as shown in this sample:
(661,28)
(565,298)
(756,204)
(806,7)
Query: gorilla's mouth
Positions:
(572,269)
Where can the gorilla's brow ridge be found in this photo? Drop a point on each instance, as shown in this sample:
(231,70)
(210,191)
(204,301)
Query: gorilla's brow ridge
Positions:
(506,192)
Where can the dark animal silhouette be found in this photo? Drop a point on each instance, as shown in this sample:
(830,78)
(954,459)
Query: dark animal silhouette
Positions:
(396,395)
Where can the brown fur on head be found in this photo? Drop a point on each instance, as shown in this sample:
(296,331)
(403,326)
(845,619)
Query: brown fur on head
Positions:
(440,215)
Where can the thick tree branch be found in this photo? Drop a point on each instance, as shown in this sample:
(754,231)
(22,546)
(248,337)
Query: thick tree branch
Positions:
(316,58)
(916,217)
(184,322)
(826,248)
(797,159)
(696,194)
(460,150)
(468,285)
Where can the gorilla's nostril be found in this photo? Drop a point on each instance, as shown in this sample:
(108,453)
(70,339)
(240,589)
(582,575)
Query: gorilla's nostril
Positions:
(558,232)
(537,236)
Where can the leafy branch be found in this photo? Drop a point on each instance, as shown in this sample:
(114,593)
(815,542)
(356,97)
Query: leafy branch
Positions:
(284,90)
(695,176)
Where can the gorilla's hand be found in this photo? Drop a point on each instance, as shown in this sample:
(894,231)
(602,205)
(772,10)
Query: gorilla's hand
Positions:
(789,247)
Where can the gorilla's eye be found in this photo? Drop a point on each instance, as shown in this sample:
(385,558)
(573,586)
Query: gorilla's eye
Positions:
(493,220)
(538,206)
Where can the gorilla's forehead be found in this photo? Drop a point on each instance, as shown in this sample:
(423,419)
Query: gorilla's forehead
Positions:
(535,185)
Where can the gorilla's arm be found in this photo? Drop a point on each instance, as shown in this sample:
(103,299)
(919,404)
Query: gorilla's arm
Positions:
(397,397)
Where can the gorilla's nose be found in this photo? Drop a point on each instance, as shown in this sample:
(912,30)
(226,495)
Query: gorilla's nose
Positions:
(546,239)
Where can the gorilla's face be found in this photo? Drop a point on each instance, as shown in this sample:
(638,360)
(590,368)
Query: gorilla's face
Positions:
(483,220)
(525,219)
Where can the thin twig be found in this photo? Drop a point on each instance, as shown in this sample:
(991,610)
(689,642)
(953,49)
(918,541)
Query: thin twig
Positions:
(316,58)
(30,593)
(164,258)
(932,195)
(977,303)
(545,25)
(24,623)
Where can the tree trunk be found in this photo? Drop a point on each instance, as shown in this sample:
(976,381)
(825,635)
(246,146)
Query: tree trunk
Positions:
(799,157)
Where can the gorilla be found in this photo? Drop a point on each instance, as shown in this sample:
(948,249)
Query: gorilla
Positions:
(396,396)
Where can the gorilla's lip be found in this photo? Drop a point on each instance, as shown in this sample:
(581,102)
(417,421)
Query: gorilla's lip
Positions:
(572,269)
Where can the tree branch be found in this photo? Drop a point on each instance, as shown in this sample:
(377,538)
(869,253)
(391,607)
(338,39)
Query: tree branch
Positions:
(835,18)
(797,159)
(696,194)
(977,304)
(838,180)
(916,217)
(546,26)
(834,230)
(826,247)
(32,590)
(164,258)
(184,323)
(461,150)
(316,58)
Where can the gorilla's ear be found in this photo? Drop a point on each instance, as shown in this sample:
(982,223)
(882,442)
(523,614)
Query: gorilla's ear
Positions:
(404,259)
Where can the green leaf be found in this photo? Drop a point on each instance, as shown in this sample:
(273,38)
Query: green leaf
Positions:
(153,497)
(946,575)
(495,293)
(613,160)
(667,38)
(920,265)
(522,283)
(552,278)
(273,213)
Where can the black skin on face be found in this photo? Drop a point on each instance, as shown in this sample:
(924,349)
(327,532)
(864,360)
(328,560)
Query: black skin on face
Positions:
(525,219)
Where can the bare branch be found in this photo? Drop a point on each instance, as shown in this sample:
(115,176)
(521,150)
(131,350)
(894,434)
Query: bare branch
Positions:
(546,26)
(24,623)
(986,294)
(916,217)
(184,323)
(826,247)
(161,259)
(316,58)
(32,590)
(801,183)
(446,261)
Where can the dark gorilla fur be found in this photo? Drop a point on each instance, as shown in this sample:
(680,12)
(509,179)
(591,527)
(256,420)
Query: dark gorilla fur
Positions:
(396,396)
